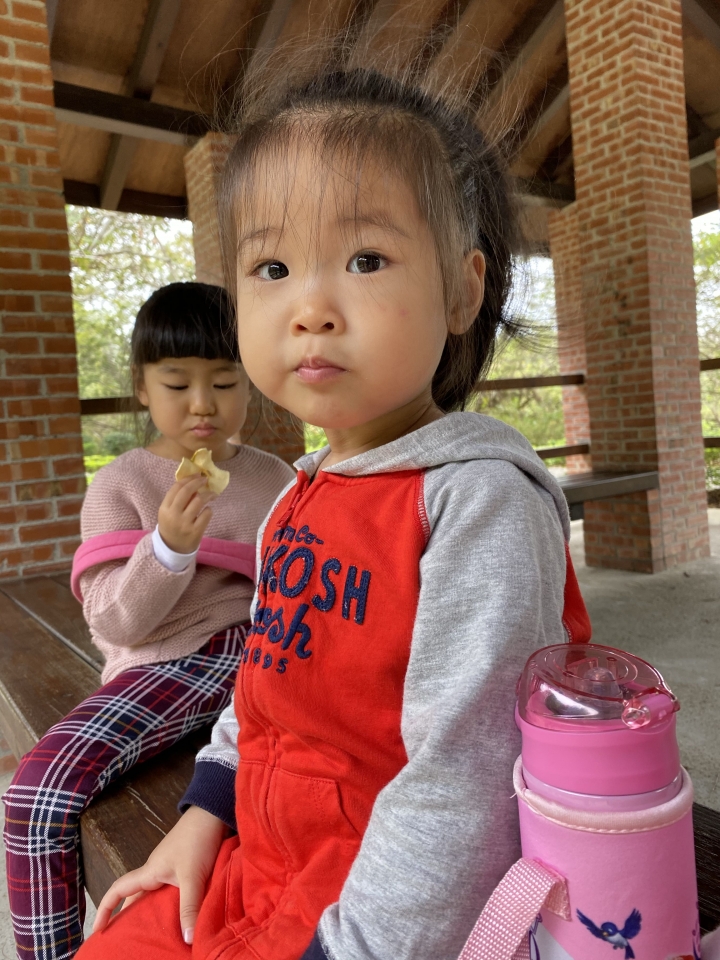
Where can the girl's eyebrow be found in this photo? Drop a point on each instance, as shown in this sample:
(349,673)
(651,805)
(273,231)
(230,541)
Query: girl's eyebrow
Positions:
(375,219)
(260,234)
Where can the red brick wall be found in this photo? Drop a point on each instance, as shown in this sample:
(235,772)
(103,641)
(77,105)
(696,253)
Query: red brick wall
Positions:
(42,478)
(267,426)
(203,164)
(565,252)
(633,209)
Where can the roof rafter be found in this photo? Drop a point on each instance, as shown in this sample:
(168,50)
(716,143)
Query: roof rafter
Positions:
(511,92)
(141,80)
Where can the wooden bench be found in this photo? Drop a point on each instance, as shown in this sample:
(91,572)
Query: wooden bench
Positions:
(579,488)
(48,665)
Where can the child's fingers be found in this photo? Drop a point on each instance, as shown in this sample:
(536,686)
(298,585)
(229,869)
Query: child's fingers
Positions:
(197,505)
(185,490)
(132,899)
(192,889)
(132,883)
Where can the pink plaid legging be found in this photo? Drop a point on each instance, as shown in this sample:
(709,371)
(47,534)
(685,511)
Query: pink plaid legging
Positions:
(132,718)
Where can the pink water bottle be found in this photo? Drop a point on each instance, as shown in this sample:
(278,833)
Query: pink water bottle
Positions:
(606,805)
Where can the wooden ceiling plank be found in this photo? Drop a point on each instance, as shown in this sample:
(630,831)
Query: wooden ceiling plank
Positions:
(704,23)
(400,32)
(158,26)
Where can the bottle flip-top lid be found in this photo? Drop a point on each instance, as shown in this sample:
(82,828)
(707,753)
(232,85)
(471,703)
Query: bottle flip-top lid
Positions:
(592,686)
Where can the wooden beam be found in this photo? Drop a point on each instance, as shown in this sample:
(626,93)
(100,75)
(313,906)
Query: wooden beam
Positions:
(548,192)
(703,143)
(141,80)
(704,18)
(117,114)
(131,201)
(703,205)
(547,453)
(51,8)
(528,383)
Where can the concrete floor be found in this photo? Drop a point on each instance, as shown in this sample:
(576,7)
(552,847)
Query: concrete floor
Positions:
(671,619)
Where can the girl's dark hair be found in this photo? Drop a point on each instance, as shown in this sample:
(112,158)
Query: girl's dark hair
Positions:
(184,320)
(458,178)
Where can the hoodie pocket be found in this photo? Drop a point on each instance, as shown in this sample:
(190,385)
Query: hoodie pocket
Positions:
(308,819)
(297,847)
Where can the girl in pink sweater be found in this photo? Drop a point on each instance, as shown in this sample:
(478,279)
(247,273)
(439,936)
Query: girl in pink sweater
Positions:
(166,582)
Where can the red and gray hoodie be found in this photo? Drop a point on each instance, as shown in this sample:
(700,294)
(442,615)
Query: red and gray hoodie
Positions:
(367,760)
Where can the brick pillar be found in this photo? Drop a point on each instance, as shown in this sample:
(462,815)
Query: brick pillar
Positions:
(267,426)
(633,209)
(42,478)
(565,252)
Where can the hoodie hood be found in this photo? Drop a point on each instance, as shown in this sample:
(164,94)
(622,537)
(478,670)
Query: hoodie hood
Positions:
(456,438)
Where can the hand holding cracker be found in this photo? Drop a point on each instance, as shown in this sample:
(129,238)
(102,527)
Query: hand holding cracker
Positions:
(202,462)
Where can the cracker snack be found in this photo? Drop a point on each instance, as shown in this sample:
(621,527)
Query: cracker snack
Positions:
(202,462)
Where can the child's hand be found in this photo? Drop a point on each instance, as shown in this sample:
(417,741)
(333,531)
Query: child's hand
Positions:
(185,858)
(184,515)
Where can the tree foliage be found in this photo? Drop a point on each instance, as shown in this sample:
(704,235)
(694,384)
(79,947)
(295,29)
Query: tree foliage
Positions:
(117,261)
(706,242)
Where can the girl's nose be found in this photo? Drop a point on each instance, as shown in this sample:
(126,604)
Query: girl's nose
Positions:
(316,314)
(202,403)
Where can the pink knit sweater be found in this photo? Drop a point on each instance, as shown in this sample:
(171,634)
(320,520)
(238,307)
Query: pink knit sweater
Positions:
(140,612)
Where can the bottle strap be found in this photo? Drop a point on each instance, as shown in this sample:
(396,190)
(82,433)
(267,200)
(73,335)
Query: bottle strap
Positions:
(502,930)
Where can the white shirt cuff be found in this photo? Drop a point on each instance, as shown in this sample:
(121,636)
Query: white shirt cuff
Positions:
(175,562)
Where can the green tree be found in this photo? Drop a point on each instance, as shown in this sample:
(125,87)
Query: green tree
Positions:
(706,241)
(537,413)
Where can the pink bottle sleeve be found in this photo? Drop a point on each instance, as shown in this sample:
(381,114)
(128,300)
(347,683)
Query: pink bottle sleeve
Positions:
(630,876)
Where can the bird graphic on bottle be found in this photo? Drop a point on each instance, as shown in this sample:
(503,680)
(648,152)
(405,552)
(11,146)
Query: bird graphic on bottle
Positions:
(611,933)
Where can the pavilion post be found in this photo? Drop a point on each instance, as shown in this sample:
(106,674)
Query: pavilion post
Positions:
(565,253)
(267,426)
(633,213)
(42,478)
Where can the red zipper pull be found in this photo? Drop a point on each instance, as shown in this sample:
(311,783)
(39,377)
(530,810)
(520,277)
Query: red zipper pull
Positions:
(303,482)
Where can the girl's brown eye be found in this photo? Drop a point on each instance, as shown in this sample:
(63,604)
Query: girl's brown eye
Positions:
(273,270)
(365,263)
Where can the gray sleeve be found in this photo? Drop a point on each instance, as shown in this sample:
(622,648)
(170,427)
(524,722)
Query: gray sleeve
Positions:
(445,830)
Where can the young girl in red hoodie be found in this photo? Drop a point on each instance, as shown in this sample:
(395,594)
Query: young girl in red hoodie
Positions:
(356,802)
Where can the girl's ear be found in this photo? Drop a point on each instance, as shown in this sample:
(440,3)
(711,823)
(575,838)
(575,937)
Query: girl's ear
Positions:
(472,293)
(139,386)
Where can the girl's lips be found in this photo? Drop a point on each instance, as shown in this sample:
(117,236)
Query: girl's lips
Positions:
(203,430)
(316,370)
